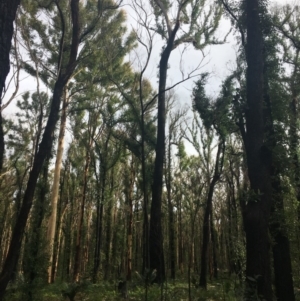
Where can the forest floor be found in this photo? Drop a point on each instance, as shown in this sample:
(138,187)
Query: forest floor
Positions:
(218,290)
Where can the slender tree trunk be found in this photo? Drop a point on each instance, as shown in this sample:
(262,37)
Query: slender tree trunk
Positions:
(79,238)
(43,152)
(55,185)
(180,238)
(8,10)
(108,230)
(33,263)
(213,246)
(99,223)
(129,186)
(155,235)
(208,209)
(146,263)
(171,214)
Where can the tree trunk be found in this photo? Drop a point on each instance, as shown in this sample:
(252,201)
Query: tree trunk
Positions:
(155,236)
(259,203)
(43,152)
(208,209)
(55,185)
(129,186)
(108,230)
(145,193)
(78,246)
(281,246)
(32,264)
(171,213)
(99,223)
(8,9)
(213,246)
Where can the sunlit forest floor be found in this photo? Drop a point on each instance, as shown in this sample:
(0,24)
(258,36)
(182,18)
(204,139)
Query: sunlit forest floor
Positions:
(223,289)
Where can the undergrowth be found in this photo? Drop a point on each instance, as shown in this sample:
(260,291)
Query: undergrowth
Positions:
(219,290)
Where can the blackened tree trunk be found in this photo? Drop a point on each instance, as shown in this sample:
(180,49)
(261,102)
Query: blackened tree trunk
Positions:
(213,246)
(32,264)
(44,151)
(8,10)
(281,246)
(259,202)
(155,235)
(208,209)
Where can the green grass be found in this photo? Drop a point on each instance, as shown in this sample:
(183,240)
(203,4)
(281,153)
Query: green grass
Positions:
(104,291)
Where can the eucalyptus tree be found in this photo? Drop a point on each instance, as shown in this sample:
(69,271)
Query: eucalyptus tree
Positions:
(91,82)
(60,66)
(188,193)
(8,11)
(23,137)
(286,19)
(174,121)
(201,25)
(45,146)
(264,209)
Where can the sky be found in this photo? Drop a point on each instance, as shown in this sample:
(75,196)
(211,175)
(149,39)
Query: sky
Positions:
(219,61)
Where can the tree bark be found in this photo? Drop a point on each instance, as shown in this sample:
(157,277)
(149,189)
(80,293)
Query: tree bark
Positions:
(55,185)
(43,152)
(129,196)
(155,236)
(172,250)
(107,249)
(78,246)
(8,10)
(208,209)
(281,245)
(99,222)
(32,268)
(259,203)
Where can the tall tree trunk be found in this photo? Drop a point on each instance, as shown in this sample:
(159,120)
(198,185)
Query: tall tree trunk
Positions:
(32,262)
(129,186)
(145,192)
(213,246)
(155,235)
(8,10)
(107,248)
(99,222)
(281,247)
(180,236)
(55,185)
(258,207)
(171,213)
(208,209)
(79,238)
(43,152)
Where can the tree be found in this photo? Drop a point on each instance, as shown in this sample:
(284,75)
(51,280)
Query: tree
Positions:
(260,141)
(7,17)
(45,146)
(200,35)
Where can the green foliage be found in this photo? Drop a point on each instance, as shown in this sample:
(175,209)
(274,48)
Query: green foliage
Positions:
(222,290)
(218,114)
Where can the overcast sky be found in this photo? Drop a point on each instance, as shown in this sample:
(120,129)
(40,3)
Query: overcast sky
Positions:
(220,59)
